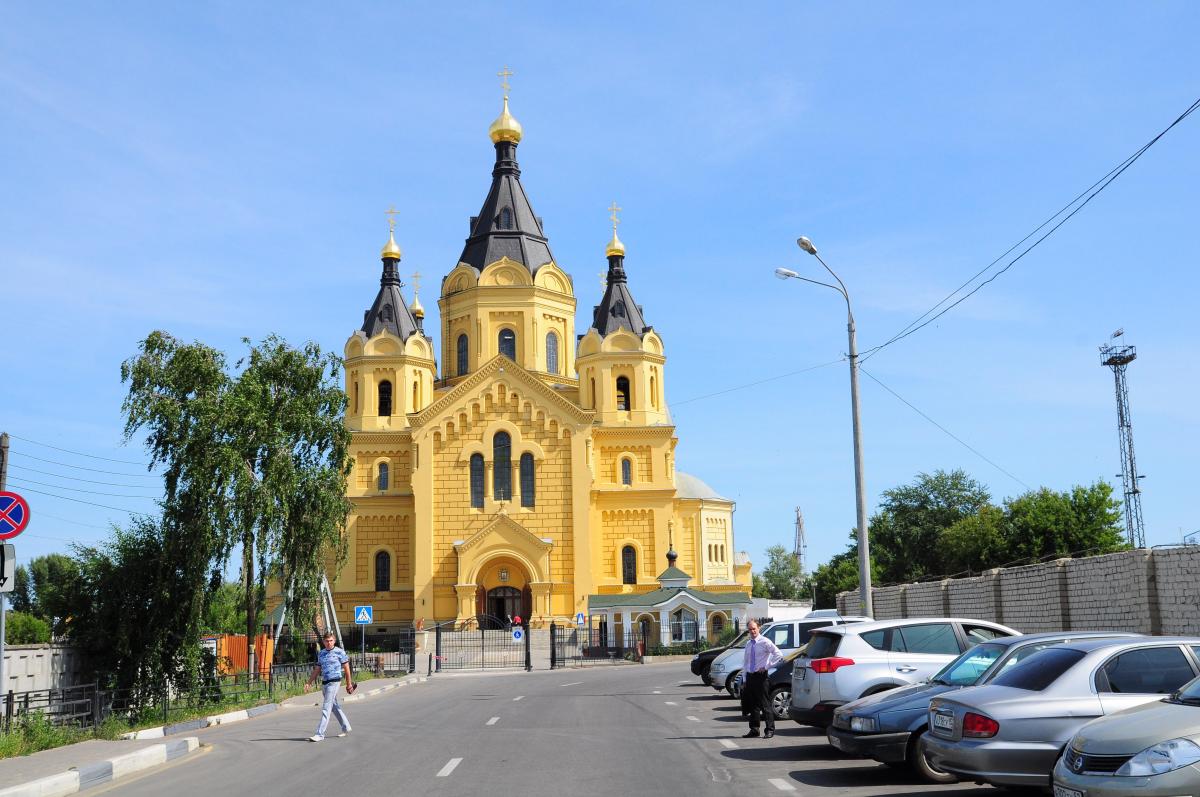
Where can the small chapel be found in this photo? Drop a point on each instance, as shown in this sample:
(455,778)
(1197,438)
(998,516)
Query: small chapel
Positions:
(505,466)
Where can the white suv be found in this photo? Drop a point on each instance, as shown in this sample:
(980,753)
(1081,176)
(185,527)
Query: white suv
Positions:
(844,663)
(787,636)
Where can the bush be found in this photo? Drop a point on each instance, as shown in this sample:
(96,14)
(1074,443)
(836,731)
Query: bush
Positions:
(25,629)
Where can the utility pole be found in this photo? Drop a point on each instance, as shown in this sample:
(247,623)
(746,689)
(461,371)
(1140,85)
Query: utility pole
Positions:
(3,600)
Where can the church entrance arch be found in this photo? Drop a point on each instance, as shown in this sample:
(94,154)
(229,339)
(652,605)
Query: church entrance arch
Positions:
(504,603)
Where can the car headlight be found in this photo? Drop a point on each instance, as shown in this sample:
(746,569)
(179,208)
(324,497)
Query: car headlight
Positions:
(864,724)
(1160,758)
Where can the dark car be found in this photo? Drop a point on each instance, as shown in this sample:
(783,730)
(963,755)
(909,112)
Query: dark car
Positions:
(704,658)
(779,682)
(888,726)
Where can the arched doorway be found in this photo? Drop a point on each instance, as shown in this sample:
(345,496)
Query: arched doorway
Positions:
(503,603)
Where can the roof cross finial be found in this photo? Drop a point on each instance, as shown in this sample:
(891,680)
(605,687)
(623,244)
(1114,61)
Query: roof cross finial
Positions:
(416,278)
(603,275)
(391,213)
(613,211)
(504,74)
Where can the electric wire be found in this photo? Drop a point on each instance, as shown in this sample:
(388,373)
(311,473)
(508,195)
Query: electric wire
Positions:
(955,437)
(77,453)
(89,503)
(757,383)
(78,479)
(40,514)
(1081,201)
(87,492)
(81,467)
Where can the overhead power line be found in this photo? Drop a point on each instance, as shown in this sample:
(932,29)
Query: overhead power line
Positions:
(88,492)
(76,453)
(953,436)
(81,467)
(758,382)
(1074,206)
(81,501)
(78,479)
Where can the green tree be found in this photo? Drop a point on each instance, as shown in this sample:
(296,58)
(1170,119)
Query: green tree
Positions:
(225,610)
(21,598)
(22,628)
(758,588)
(839,574)
(975,543)
(44,585)
(782,577)
(1043,523)
(906,530)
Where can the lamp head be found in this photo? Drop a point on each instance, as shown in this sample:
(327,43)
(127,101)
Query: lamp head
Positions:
(785,273)
(806,245)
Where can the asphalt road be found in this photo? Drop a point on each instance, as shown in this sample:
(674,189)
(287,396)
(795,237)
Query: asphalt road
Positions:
(602,730)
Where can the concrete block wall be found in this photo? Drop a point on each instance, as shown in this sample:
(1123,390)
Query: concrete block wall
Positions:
(975,597)
(1177,580)
(926,599)
(30,668)
(1033,597)
(888,602)
(1113,592)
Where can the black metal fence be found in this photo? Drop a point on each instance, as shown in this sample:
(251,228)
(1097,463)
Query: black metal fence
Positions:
(386,653)
(583,645)
(473,648)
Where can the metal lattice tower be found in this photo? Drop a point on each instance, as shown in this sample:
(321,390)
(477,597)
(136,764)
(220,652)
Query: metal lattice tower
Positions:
(801,550)
(1118,357)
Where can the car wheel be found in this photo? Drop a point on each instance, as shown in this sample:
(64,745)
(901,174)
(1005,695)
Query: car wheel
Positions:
(920,764)
(733,686)
(781,698)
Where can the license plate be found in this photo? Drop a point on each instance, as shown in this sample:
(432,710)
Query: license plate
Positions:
(835,741)
(943,721)
(800,673)
(1062,791)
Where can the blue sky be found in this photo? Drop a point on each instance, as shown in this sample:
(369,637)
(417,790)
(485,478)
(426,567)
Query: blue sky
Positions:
(221,171)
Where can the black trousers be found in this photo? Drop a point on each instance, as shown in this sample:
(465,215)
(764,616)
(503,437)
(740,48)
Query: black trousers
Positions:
(757,699)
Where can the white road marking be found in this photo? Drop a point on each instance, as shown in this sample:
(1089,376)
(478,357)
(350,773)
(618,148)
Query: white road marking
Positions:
(450,765)
(518,697)
(573,683)
(694,719)
(669,703)
(781,784)
(493,720)
(657,692)
(729,744)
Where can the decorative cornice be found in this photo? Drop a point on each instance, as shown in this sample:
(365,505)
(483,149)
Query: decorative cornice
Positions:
(666,430)
(380,438)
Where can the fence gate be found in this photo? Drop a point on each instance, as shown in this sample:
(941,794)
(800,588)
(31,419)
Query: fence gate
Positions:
(594,643)
(474,648)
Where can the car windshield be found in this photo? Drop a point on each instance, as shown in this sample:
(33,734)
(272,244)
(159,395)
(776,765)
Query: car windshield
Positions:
(740,641)
(1189,693)
(967,668)
(1039,670)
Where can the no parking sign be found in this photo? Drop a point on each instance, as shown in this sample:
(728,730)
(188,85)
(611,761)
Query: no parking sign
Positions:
(14,515)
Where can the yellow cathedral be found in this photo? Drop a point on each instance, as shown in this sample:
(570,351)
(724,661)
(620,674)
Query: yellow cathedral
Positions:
(535,475)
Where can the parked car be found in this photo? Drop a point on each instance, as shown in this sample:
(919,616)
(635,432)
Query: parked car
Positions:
(787,636)
(844,663)
(887,726)
(779,683)
(704,659)
(1011,731)
(1152,749)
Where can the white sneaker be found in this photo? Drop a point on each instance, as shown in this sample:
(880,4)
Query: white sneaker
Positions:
(315,738)
(344,733)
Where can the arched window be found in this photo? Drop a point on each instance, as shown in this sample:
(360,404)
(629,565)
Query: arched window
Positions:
(416,405)
(654,392)
(383,476)
(385,399)
(508,344)
(506,219)
(462,354)
(718,624)
(593,393)
(628,565)
(502,466)
(477,481)
(527,480)
(624,398)
(626,471)
(552,352)
(383,571)
(356,397)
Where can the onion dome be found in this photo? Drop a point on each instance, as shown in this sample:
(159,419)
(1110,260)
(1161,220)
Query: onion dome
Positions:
(506,127)
(615,247)
(391,250)
(415,308)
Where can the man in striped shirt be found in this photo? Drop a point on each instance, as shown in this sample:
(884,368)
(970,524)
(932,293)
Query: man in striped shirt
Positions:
(760,656)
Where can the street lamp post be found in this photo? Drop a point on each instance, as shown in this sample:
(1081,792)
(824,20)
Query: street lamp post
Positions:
(864,543)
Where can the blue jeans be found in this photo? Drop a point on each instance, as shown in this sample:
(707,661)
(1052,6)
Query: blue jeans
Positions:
(329,702)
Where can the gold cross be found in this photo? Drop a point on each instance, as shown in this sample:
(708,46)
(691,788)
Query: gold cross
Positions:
(613,207)
(391,213)
(504,74)
(416,278)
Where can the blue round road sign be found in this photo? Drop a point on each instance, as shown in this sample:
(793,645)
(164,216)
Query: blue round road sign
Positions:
(14,515)
(518,634)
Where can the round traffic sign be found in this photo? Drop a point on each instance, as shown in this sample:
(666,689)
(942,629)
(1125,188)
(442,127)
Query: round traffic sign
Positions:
(14,515)
(517,634)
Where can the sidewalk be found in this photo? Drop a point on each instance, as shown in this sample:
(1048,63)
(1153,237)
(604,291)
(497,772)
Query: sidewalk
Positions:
(91,756)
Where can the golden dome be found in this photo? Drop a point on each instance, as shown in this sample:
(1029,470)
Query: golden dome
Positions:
(391,250)
(505,128)
(417,310)
(615,247)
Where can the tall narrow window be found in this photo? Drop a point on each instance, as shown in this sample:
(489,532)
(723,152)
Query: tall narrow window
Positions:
(416,405)
(383,476)
(356,397)
(626,472)
(385,398)
(593,393)
(527,480)
(502,466)
(654,392)
(624,400)
(383,571)
(508,344)
(477,481)
(628,565)
(462,354)
(506,219)
(552,352)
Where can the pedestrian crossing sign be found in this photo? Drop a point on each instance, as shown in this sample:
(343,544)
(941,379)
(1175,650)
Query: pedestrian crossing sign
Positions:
(580,618)
(363,615)
(518,634)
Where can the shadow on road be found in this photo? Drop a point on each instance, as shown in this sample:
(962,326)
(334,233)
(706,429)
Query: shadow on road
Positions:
(281,739)
(882,778)
(771,751)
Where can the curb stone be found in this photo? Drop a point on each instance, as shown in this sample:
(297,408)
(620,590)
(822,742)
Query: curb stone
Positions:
(101,772)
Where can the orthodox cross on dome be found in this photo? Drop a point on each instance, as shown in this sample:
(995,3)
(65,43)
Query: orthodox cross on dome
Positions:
(613,211)
(391,213)
(416,278)
(504,74)
(603,275)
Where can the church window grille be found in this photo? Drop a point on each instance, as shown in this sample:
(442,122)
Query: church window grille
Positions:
(718,625)
(508,344)
(623,395)
(477,481)
(506,222)
(552,352)
(683,625)
(385,399)
(628,565)
(528,487)
(502,466)
(462,354)
(383,571)
(383,476)
(626,471)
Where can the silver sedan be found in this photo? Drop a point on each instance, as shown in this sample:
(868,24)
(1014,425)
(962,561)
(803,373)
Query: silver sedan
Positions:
(1012,731)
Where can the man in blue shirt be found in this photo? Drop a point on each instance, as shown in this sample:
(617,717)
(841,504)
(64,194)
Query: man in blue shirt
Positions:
(333,666)
(760,656)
